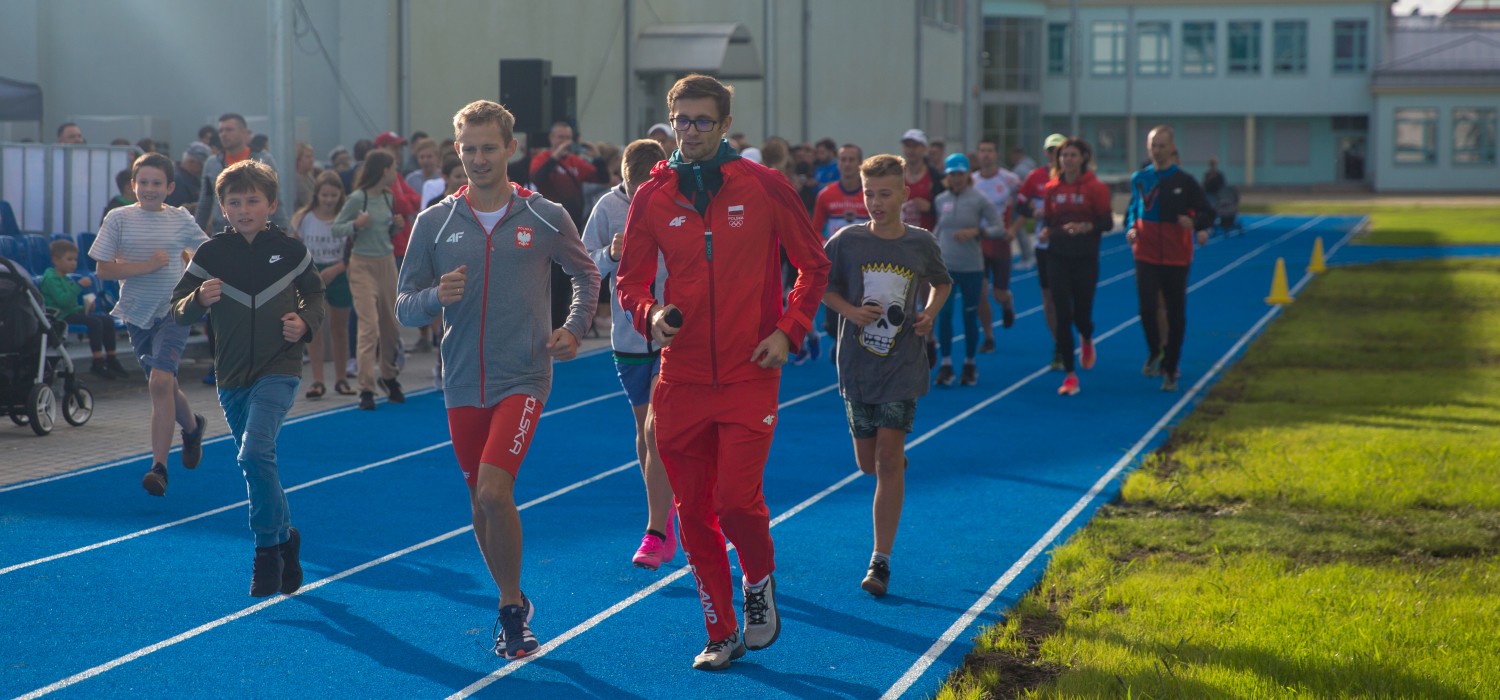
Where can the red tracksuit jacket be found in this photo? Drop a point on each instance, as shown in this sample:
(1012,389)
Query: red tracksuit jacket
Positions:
(724,272)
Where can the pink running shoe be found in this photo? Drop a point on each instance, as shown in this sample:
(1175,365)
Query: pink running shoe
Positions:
(1069,386)
(651,553)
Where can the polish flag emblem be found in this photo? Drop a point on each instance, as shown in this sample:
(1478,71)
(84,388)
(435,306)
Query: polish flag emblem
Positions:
(523,236)
(737,215)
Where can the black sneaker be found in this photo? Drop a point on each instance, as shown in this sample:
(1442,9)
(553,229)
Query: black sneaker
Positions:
(101,370)
(876,578)
(945,375)
(265,578)
(291,562)
(987,345)
(366,400)
(1152,368)
(717,655)
(155,481)
(513,637)
(192,443)
(393,390)
(112,364)
(1169,381)
(762,622)
(1008,316)
(970,376)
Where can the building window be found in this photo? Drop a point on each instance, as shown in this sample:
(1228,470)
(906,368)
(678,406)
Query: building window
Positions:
(1108,43)
(1244,48)
(1013,125)
(1289,52)
(1473,136)
(1153,48)
(1109,142)
(1416,136)
(1351,46)
(945,11)
(1057,49)
(1199,50)
(1009,59)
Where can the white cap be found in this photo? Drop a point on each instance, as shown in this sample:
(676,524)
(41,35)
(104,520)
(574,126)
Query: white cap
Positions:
(915,135)
(751,154)
(659,126)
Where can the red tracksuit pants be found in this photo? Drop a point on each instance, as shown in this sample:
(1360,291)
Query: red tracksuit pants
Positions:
(714,443)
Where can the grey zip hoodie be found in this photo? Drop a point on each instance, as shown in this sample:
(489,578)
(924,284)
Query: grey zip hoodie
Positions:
(607,220)
(495,337)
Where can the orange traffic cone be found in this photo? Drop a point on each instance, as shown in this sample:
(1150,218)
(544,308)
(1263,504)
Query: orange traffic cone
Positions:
(1316,266)
(1279,292)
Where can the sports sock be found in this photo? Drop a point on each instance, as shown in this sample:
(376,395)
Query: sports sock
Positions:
(947,362)
(659,535)
(884,558)
(758,585)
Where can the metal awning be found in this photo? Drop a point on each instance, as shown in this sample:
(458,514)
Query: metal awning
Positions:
(720,50)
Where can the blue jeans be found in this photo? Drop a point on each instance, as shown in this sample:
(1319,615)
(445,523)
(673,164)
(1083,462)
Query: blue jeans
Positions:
(255,414)
(970,286)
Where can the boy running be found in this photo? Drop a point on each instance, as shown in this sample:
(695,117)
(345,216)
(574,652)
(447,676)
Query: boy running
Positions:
(498,345)
(882,358)
(267,300)
(142,244)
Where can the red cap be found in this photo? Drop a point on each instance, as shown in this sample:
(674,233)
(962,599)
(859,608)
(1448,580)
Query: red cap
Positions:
(388,138)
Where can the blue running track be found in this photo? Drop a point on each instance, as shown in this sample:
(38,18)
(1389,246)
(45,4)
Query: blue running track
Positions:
(106,592)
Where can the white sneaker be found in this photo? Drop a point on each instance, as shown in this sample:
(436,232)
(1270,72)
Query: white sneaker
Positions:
(716,656)
(762,623)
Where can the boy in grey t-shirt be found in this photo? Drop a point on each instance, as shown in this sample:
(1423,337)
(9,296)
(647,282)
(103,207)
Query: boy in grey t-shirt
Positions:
(882,359)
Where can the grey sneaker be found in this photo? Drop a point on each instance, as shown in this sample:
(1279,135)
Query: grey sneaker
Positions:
(876,578)
(762,623)
(717,655)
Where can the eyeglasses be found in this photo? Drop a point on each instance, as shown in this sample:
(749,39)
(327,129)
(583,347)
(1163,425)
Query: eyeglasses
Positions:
(702,124)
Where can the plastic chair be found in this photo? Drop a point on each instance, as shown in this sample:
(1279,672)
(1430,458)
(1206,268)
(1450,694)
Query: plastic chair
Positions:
(38,253)
(8,225)
(13,248)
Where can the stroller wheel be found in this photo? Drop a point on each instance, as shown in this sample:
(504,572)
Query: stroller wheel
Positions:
(41,409)
(78,407)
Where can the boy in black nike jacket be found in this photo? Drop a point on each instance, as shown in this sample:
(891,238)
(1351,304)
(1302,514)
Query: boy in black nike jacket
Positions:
(267,299)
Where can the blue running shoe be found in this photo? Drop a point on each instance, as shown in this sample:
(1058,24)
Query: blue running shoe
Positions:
(513,638)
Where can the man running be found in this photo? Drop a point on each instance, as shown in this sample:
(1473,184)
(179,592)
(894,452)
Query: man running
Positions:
(498,344)
(719,221)
(1166,206)
(1000,186)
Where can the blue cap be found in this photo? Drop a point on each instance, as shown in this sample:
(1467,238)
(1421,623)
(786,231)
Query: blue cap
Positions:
(955,163)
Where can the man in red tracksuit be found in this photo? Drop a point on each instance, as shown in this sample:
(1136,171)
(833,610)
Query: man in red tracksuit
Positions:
(719,222)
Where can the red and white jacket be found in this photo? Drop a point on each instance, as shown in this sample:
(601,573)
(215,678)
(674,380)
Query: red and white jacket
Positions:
(723,270)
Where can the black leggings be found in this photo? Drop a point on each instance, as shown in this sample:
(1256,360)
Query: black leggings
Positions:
(101,330)
(1168,283)
(1074,281)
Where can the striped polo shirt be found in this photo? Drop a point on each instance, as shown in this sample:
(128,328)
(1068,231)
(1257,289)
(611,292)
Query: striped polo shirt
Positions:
(132,234)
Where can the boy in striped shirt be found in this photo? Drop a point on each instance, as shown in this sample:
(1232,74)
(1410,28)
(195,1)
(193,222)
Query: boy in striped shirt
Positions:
(142,245)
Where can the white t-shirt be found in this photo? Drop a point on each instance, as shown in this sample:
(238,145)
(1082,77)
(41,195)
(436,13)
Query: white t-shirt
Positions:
(488,219)
(432,188)
(1000,188)
(317,235)
(132,234)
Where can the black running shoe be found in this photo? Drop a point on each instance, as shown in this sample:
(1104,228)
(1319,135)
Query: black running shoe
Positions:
(1152,368)
(366,400)
(265,578)
(513,637)
(1169,381)
(970,376)
(987,345)
(876,578)
(112,363)
(291,562)
(155,481)
(100,369)
(945,375)
(192,443)
(1008,316)
(393,390)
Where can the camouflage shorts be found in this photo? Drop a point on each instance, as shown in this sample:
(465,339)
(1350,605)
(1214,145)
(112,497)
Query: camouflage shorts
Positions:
(866,418)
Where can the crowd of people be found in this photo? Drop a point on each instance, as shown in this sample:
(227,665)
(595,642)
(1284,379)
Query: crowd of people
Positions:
(716,257)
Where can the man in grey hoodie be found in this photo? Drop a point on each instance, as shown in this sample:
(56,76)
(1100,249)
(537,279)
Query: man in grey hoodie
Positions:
(498,346)
(235,135)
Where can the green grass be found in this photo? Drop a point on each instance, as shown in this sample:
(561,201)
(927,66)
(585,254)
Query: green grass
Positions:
(1326,523)
(1406,225)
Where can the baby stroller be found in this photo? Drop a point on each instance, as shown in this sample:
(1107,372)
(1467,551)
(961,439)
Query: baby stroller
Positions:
(32,358)
(1227,204)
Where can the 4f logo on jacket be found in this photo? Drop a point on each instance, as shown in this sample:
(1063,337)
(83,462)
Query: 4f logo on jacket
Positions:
(677,221)
(523,236)
(454,238)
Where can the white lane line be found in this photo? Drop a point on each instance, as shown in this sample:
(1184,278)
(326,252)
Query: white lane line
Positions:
(207,626)
(299,487)
(611,611)
(921,665)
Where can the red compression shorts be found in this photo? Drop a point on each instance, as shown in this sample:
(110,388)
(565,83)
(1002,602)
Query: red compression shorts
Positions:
(498,436)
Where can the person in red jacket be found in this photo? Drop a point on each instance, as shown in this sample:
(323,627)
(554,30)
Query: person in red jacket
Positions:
(719,221)
(1077,214)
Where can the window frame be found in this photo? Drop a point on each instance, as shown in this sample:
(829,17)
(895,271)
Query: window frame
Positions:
(1063,65)
(1359,61)
(1289,36)
(1251,64)
(1161,31)
(1486,153)
(1210,51)
(1428,122)
(1116,67)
